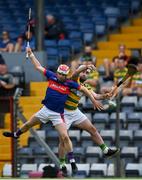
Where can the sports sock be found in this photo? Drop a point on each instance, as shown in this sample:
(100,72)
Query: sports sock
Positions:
(18,133)
(62,161)
(71,157)
(104,148)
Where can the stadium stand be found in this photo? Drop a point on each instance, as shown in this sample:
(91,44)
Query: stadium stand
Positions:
(85,22)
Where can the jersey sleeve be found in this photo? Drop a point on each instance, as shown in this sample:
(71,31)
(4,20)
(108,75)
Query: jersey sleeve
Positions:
(48,74)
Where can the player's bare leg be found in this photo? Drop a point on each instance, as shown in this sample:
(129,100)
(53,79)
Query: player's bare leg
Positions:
(96,137)
(65,146)
(24,128)
(62,157)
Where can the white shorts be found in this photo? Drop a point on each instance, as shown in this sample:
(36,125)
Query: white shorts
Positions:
(73,117)
(45,115)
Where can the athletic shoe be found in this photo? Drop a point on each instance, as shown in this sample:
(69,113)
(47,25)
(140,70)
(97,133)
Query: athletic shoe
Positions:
(74,168)
(10,134)
(111,152)
(64,171)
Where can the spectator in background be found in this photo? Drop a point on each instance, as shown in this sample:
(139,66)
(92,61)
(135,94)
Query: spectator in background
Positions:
(6,80)
(111,66)
(87,55)
(6,44)
(93,77)
(54,28)
(21,42)
(136,83)
(7,85)
(3,67)
(19,46)
(86,58)
(119,73)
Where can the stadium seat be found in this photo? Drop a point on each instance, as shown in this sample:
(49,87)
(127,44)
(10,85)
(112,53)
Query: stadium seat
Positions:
(108,136)
(100,120)
(79,154)
(55,150)
(131,29)
(126,137)
(137,139)
(128,103)
(52,137)
(100,25)
(83,170)
(64,47)
(139,105)
(134,170)
(39,151)
(38,88)
(7,170)
(86,139)
(129,100)
(113,14)
(125,37)
(89,116)
(41,134)
(111,45)
(110,170)
(75,136)
(75,35)
(25,151)
(26,168)
(50,43)
(76,45)
(98,169)
(129,154)
(112,120)
(134,120)
(124,8)
(137,22)
(93,154)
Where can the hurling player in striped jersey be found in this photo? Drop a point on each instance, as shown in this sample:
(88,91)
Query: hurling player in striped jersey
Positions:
(59,87)
(73,116)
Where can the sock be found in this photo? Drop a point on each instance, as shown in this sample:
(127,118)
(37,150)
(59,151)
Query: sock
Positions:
(18,133)
(62,161)
(104,148)
(71,157)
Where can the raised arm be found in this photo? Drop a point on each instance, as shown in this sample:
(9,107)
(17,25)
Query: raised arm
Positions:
(89,94)
(100,96)
(35,61)
(82,68)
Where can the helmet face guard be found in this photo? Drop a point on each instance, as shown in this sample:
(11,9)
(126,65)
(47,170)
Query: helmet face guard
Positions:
(63,69)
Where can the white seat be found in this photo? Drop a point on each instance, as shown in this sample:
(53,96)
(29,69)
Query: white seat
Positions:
(74,134)
(127,100)
(134,168)
(129,152)
(85,135)
(28,167)
(98,169)
(93,151)
(7,170)
(110,170)
(84,167)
